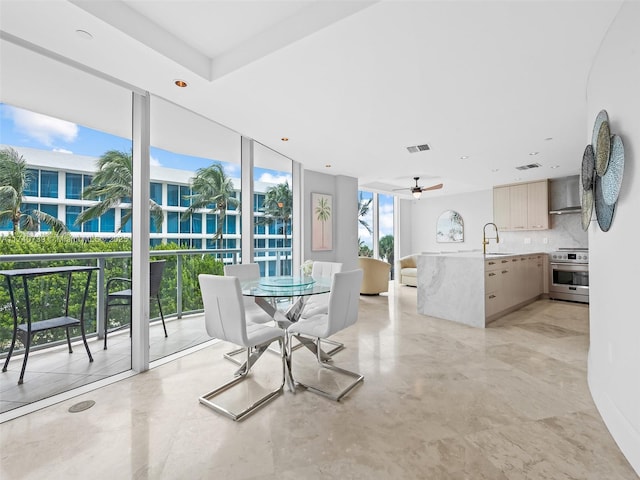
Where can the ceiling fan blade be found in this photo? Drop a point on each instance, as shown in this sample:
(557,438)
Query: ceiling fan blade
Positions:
(433,187)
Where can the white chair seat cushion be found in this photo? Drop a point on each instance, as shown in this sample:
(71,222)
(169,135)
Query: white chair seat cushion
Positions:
(315,326)
(260,333)
(255,314)
(316,305)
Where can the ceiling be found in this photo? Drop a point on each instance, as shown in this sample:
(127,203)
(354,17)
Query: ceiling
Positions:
(352,84)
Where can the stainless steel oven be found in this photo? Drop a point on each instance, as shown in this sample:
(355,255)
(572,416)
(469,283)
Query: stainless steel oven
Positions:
(569,274)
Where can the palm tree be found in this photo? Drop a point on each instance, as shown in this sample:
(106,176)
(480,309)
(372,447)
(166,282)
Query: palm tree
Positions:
(363,249)
(111,185)
(385,248)
(213,190)
(323,213)
(278,206)
(14,177)
(363,211)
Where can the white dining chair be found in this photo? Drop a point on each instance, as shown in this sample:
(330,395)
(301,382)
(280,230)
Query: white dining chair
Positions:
(317,304)
(226,319)
(342,313)
(246,272)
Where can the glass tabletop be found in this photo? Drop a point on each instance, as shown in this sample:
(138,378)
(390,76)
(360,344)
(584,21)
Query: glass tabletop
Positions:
(285,286)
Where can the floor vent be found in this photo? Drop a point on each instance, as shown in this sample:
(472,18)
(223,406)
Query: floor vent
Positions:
(419,148)
(82,406)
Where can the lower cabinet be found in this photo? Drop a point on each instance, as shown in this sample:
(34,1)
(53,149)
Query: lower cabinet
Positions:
(511,281)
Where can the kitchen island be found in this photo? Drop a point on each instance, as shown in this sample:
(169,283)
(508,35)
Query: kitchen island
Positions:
(476,289)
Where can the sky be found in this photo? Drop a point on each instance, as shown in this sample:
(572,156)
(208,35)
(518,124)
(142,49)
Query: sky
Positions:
(385,218)
(24,128)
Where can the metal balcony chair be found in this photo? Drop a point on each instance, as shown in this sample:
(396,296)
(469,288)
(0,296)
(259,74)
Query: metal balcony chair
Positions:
(122,298)
(342,313)
(226,319)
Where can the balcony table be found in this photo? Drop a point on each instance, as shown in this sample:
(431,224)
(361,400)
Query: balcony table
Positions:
(25,331)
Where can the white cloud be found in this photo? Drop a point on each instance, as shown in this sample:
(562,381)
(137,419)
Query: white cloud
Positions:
(43,128)
(276,179)
(385,220)
(154,162)
(231,169)
(363,234)
(62,150)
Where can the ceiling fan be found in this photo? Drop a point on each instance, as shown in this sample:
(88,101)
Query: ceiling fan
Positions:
(417,190)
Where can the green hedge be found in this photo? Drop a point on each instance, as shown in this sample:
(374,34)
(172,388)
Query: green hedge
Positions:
(47,293)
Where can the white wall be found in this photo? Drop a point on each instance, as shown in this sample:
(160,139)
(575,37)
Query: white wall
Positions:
(344,217)
(475,208)
(614,353)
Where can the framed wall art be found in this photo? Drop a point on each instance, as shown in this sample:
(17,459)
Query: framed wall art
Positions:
(321,222)
(450,227)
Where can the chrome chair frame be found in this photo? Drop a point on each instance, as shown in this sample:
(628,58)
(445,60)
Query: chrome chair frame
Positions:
(322,361)
(253,354)
(342,313)
(226,319)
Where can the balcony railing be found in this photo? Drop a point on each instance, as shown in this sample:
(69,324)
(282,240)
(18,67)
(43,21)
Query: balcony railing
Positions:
(180,292)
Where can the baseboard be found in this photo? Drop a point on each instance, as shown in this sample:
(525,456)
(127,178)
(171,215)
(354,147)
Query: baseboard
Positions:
(624,434)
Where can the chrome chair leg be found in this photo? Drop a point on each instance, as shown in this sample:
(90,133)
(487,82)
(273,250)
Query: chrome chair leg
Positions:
(321,357)
(241,375)
(231,356)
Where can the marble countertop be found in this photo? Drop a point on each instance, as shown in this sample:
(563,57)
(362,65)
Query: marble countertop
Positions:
(480,255)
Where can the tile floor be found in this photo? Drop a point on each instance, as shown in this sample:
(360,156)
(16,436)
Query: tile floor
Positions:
(53,370)
(439,401)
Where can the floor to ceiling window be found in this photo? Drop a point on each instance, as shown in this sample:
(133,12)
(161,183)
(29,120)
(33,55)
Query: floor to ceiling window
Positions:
(196,188)
(376,226)
(74,133)
(58,127)
(385,229)
(273,211)
(365,224)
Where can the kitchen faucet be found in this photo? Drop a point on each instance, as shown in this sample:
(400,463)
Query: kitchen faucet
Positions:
(485,240)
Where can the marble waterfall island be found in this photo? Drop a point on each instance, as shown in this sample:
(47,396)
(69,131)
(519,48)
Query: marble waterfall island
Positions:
(475,289)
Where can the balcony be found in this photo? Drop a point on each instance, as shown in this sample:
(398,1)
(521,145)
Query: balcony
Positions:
(51,369)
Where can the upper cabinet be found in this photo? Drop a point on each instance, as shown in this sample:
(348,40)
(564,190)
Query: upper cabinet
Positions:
(523,206)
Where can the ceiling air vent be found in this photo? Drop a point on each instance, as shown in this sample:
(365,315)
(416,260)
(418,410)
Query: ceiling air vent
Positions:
(527,167)
(419,148)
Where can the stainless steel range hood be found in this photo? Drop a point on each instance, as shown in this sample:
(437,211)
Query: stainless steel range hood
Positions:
(565,195)
(560,211)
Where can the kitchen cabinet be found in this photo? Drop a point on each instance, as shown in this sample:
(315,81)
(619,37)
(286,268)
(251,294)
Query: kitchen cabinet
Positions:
(475,289)
(512,281)
(523,206)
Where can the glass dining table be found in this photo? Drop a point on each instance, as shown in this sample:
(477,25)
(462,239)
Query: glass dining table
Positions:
(267,292)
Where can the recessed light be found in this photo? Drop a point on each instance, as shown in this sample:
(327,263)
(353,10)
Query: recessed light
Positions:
(180,83)
(464,157)
(555,166)
(84,35)
(285,139)
(534,153)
